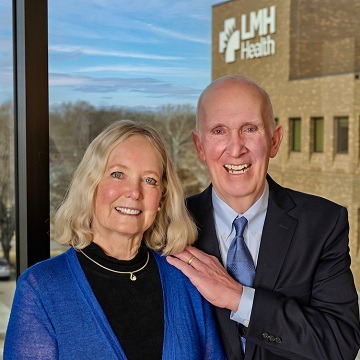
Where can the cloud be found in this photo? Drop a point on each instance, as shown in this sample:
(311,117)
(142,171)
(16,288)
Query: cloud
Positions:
(102,49)
(126,21)
(147,86)
(133,69)
(85,50)
(57,80)
(177,35)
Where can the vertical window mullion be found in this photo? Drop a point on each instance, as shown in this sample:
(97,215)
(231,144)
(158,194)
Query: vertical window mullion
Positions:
(31,107)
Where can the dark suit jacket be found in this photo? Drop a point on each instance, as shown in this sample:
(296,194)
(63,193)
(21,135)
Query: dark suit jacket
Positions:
(306,304)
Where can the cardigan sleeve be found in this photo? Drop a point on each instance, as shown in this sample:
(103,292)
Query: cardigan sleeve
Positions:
(189,323)
(30,334)
(213,349)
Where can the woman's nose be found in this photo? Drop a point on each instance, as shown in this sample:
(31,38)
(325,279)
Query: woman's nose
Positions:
(133,191)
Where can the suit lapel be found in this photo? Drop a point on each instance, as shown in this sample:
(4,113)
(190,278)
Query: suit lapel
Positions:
(276,238)
(278,231)
(207,239)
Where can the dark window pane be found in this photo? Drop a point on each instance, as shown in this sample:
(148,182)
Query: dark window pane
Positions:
(318,134)
(342,135)
(295,134)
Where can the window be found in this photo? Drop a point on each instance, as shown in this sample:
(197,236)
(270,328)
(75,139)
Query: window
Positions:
(342,135)
(7,171)
(295,134)
(90,80)
(317,129)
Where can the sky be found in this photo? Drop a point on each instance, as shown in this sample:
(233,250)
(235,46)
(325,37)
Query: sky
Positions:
(121,52)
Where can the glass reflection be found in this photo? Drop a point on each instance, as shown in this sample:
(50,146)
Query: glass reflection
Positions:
(7,191)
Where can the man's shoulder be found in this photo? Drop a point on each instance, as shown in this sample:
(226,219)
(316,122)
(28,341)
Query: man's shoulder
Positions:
(302,198)
(200,200)
(202,195)
(195,198)
(298,194)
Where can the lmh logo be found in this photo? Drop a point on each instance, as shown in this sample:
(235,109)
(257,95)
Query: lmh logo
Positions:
(260,23)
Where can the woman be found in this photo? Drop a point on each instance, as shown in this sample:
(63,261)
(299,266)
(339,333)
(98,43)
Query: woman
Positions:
(113,295)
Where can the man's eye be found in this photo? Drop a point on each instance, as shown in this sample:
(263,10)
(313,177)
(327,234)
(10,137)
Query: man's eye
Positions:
(117,174)
(218,131)
(250,129)
(150,181)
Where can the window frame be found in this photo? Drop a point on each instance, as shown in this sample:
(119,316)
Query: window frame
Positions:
(31,127)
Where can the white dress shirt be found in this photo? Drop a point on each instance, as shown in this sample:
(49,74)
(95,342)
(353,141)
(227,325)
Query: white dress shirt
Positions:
(224,216)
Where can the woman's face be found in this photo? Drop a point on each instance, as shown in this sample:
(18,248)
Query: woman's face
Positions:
(128,195)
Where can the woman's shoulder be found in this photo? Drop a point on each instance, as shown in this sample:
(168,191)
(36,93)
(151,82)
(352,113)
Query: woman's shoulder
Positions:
(169,272)
(51,267)
(161,259)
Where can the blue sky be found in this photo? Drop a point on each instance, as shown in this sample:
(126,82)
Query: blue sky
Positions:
(122,52)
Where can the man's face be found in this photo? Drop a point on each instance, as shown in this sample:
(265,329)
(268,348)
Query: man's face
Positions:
(236,141)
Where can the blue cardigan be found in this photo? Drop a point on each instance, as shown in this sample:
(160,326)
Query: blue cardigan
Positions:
(55,315)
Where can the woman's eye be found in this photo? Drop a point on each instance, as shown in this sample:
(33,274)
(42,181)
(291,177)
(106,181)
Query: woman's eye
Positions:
(117,174)
(150,181)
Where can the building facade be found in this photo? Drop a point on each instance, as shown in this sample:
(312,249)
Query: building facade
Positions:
(306,54)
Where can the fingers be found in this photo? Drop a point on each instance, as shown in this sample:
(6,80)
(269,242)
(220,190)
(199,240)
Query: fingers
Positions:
(212,281)
(190,251)
(186,258)
(197,259)
(189,271)
(200,255)
(191,259)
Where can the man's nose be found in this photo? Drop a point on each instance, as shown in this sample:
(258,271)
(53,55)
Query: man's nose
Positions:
(236,145)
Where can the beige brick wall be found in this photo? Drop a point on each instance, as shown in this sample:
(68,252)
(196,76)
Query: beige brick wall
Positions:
(333,91)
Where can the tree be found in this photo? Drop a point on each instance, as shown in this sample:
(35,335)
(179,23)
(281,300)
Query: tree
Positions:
(175,124)
(72,127)
(7,194)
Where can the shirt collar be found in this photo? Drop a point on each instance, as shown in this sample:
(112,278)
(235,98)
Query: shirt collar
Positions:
(225,215)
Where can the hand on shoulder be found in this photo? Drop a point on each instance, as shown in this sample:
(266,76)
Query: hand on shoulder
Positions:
(209,277)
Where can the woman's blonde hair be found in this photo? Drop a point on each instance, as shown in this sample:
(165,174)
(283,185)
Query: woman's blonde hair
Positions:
(172,229)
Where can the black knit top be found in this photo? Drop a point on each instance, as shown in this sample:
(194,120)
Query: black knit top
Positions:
(134,309)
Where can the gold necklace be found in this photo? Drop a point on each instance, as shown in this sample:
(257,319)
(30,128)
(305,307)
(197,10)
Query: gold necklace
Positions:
(132,276)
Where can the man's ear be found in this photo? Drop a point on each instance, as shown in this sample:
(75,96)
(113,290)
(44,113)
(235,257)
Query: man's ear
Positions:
(276,140)
(199,149)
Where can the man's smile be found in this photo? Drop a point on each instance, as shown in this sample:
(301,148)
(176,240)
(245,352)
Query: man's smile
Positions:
(237,169)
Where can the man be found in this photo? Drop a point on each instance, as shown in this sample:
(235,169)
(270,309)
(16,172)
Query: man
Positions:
(302,303)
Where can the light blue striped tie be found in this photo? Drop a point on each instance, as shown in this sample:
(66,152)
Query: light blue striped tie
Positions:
(239,261)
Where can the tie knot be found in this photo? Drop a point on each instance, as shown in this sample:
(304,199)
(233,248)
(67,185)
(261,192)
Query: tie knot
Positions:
(240,224)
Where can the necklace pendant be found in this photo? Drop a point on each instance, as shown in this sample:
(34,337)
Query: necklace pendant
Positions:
(132,276)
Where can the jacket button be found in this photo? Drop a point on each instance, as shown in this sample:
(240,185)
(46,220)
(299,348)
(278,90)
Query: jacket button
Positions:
(278,340)
(272,338)
(265,335)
